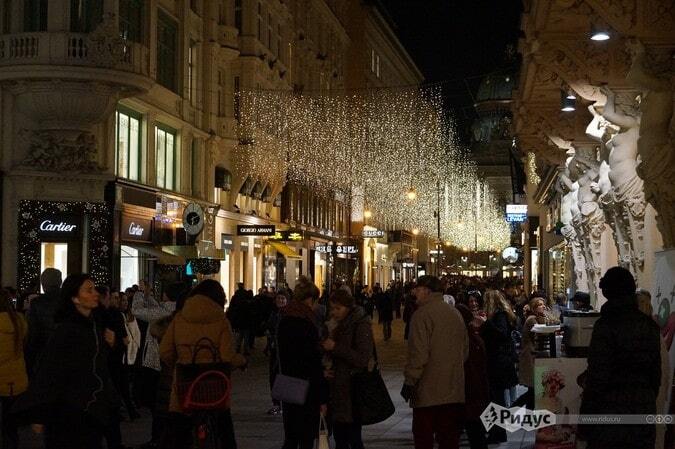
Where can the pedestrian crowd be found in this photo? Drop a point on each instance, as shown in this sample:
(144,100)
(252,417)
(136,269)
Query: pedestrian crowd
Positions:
(77,359)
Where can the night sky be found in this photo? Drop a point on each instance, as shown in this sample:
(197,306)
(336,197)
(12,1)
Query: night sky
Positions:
(457,40)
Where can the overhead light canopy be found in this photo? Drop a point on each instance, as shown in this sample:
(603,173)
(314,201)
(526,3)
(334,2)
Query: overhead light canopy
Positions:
(599,33)
(567,103)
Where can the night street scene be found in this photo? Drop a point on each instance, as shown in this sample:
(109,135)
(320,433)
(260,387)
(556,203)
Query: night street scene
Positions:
(337,224)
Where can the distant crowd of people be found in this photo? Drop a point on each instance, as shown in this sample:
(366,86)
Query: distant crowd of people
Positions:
(79,358)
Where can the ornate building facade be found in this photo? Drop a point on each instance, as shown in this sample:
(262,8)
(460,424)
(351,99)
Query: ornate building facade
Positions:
(594,113)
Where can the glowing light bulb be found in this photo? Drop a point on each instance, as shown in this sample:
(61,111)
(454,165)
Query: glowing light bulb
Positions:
(415,231)
(367,213)
(411,194)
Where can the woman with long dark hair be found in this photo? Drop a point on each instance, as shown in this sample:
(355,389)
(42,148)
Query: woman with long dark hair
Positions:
(72,397)
(13,377)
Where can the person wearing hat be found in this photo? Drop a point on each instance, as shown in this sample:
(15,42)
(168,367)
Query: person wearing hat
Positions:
(438,347)
(624,367)
(351,348)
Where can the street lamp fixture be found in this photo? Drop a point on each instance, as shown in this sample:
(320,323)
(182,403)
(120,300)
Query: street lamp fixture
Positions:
(411,194)
(567,104)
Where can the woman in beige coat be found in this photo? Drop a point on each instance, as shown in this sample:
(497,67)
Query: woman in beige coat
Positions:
(202,316)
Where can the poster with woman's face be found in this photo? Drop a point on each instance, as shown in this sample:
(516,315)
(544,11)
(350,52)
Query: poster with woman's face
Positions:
(557,388)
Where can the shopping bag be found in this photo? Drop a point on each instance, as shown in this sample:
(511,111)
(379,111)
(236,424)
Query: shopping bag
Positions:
(323,435)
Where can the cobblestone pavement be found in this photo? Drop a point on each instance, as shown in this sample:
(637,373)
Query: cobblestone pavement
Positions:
(257,430)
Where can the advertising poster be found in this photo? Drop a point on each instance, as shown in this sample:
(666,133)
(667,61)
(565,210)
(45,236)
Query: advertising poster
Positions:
(663,302)
(557,389)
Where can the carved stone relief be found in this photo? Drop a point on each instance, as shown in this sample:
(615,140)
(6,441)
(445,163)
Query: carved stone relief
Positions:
(56,151)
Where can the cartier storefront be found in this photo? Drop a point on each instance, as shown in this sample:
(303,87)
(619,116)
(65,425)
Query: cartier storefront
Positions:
(72,237)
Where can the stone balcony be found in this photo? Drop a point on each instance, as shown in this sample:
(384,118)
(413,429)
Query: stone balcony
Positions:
(63,55)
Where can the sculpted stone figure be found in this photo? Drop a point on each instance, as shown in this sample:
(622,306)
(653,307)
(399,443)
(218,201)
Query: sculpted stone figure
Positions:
(655,144)
(569,209)
(590,222)
(626,199)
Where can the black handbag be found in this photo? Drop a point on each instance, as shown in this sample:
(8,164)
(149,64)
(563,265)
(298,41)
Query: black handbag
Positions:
(204,386)
(371,403)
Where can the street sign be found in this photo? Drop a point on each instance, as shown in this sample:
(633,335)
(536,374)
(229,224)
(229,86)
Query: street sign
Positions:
(516,213)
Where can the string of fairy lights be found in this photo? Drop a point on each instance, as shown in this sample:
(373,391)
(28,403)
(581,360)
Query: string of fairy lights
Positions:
(392,151)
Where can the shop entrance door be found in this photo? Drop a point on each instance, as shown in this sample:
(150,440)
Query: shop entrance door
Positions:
(64,256)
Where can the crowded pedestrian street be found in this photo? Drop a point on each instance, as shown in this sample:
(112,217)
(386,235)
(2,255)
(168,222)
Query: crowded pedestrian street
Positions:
(337,224)
(255,429)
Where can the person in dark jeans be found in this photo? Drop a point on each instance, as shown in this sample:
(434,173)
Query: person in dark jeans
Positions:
(300,356)
(385,310)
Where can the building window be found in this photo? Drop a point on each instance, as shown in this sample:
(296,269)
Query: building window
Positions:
(372,61)
(191,80)
(128,148)
(221,13)
(85,15)
(194,6)
(35,15)
(237,15)
(377,66)
(131,19)
(270,34)
(195,179)
(260,21)
(167,42)
(165,157)
(236,90)
(279,49)
(221,89)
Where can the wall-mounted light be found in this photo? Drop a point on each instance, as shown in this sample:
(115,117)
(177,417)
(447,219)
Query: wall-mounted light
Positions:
(415,231)
(567,104)
(599,33)
(367,213)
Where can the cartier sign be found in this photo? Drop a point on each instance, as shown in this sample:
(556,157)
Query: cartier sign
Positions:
(136,229)
(59,226)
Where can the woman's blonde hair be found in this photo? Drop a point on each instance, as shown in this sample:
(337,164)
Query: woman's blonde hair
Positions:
(644,302)
(495,301)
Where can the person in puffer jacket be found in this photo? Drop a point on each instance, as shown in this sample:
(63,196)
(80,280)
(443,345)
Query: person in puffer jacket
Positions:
(202,316)
(13,378)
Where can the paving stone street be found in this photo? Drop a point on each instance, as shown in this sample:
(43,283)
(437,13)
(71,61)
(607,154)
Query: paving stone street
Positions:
(257,430)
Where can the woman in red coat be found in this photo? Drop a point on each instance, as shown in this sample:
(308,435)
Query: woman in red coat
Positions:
(477,390)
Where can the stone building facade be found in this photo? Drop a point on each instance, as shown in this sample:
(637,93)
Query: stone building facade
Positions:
(118,115)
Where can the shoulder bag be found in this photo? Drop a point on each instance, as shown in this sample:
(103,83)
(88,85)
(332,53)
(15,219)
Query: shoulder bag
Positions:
(371,402)
(292,390)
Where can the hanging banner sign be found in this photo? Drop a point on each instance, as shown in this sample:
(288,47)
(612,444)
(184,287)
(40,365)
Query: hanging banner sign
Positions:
(287,236)
(516,213)
(226,241)
(372,233)
(253,230)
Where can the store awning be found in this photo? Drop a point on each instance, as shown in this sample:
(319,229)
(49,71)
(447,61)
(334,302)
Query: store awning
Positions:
(286,250)
(162,257)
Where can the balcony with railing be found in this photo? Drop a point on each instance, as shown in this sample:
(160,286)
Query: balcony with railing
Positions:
(68,49)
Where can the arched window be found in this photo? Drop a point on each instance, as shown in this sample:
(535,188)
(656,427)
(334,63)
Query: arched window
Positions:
(246,187)
(257,190)
(267,194)
(223,179)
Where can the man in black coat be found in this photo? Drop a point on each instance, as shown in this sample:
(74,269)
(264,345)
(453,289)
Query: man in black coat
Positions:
(385,309)
(624,367)
(41,317)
